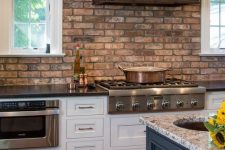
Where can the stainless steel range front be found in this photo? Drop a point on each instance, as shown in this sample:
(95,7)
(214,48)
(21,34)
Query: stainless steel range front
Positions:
(172,95)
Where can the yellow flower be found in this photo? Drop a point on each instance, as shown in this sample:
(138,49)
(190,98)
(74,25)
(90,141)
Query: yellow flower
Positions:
(218,138)
(221,117)
(211,121)
(222,105)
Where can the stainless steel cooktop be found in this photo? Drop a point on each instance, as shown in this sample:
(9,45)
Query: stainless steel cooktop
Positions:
(171,95)
(169,83)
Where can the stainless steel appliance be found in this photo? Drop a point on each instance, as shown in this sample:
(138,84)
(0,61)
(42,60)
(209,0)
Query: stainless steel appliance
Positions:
(29,124)
(171,95)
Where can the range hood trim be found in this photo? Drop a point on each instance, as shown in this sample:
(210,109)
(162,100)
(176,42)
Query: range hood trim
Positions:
(146,2)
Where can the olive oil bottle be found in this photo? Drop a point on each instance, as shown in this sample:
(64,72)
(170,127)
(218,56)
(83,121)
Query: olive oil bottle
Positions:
(77,64)
(82,67)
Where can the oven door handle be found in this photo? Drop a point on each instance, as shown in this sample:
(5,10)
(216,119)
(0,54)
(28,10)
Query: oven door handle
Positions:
(46,112)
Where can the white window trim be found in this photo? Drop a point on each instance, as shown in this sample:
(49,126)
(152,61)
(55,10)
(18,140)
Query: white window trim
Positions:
(56,31)
(205,32)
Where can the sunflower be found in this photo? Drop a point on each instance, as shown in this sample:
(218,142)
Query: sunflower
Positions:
(220,117)
(222,105)
(211,121)
(216,127)
(218,138)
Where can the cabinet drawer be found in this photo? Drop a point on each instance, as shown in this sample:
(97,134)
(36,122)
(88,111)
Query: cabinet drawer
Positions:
(127,132)
(86,145)
(85,106)
(84,128)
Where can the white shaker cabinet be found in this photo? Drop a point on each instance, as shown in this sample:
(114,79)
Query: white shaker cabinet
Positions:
(214,99)
(83,122)
(88,126)
(127,131)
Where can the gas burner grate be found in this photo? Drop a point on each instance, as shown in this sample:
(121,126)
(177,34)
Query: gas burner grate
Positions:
(118,84)
(169,83)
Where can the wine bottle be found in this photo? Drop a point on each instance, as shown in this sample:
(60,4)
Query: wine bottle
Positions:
(77,63)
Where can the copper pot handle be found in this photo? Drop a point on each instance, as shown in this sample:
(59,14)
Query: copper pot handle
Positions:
(121,68)
(169,69)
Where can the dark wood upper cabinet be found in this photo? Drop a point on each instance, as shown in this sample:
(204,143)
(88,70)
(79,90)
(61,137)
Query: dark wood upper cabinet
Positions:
(146,2)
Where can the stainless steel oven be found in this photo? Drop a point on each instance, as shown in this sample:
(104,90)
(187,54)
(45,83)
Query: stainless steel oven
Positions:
(29,124)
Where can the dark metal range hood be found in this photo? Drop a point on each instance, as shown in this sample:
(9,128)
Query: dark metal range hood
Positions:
(146,2)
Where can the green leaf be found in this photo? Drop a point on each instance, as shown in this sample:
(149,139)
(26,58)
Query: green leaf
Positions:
(217,130)
(210,127)
(221,127)
(215,116)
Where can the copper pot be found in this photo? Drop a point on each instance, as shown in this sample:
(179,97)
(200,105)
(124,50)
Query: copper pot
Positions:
(144,74)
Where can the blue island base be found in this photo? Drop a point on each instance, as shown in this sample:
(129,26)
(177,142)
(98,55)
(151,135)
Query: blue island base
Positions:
(157,141)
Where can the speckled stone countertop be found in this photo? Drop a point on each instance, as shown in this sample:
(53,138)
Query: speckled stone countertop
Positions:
(191,139)
(55,90)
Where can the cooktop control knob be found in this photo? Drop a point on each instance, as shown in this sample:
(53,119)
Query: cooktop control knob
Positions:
(150,105)
(136,105)
(180,103)
(194,103)
(165,104)
(119,106)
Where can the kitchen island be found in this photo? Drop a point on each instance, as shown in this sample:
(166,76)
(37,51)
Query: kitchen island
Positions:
(163,134)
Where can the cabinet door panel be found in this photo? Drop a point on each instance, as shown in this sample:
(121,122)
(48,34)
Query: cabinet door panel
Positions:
(127,132)
(214,99)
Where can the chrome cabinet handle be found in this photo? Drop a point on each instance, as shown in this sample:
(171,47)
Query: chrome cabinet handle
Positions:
(30,113)
(85,147)
(85,107)
(83,129)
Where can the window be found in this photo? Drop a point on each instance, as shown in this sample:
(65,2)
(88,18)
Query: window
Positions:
(29,25)
(213,27)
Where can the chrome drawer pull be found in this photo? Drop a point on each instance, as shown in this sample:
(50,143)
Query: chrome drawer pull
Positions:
(83,129)
(87,107)
(85,147)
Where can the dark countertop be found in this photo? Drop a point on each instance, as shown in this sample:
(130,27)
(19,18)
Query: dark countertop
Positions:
(29,91)
(213,85)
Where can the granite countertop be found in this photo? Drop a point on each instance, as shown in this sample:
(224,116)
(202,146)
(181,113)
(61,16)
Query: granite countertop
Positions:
(28,91)
(213,85)
(191,139)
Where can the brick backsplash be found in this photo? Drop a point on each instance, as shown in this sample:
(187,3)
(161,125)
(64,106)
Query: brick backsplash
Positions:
(128,35)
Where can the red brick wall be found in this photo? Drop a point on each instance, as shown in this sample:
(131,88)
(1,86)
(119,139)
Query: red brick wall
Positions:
(128,35)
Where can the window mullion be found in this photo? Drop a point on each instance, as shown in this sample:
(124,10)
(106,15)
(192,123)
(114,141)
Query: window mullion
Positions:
(205,28)
(48,22)
(29,28)
(219,23)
